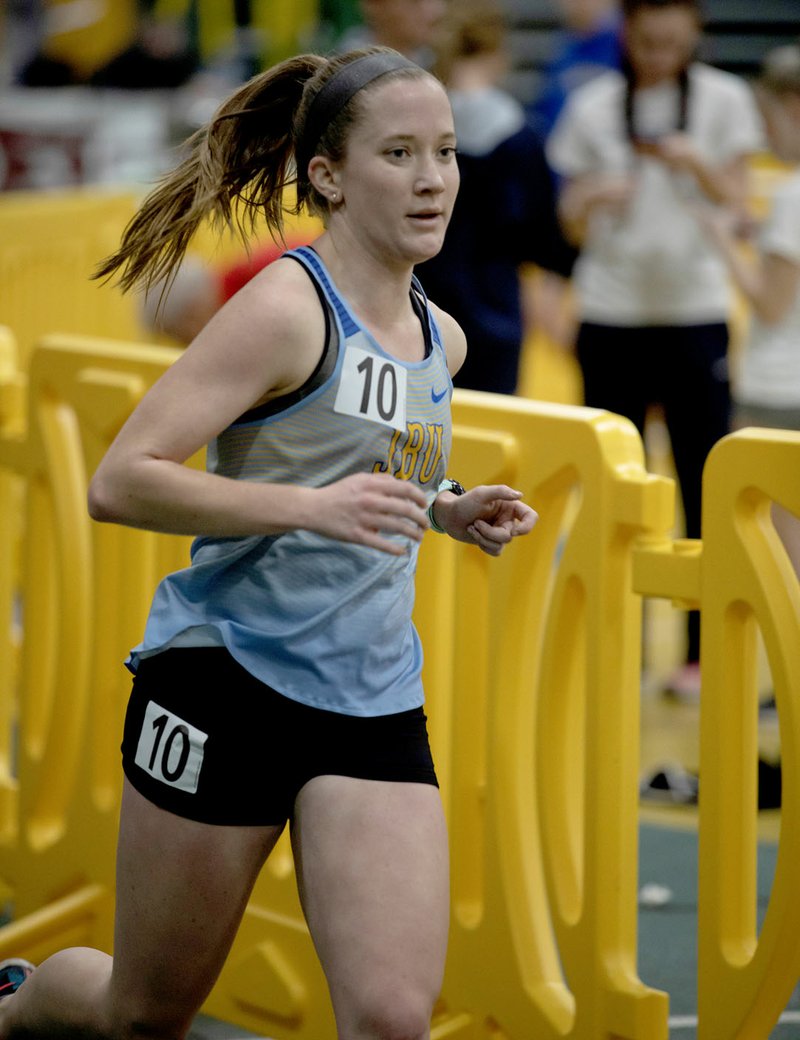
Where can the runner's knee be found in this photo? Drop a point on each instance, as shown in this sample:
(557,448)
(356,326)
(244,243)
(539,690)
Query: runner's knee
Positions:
(395,1014)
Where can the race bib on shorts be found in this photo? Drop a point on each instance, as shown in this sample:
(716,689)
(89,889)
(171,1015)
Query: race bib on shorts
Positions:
(170,749)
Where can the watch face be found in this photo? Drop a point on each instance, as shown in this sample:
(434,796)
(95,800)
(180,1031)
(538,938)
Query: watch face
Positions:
(453,486)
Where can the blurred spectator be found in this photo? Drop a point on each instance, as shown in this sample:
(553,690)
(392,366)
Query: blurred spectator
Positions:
(767,392)
(179,310)
(21,35)
(588,44)
(23,58)
(335,18)
(409,26)
(45,71)
(160,57)
(640,150)
(505,213)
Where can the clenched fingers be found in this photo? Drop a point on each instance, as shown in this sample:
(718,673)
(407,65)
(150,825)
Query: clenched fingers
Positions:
(368,508)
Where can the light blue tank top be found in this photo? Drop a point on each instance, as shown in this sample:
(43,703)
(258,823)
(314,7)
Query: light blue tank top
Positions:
(324,622)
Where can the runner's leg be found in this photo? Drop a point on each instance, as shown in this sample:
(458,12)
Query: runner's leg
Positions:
(182,888)
(373,874)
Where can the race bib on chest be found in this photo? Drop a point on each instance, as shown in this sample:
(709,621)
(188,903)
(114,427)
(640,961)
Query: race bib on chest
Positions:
(169,749)
(372,387)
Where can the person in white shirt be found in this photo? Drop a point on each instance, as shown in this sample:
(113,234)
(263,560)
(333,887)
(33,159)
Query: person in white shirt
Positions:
(639,151)
(767,390)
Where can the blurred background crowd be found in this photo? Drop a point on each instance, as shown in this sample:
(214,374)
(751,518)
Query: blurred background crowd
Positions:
(103,88)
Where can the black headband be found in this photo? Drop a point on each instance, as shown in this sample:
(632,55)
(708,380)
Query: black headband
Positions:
(334,95)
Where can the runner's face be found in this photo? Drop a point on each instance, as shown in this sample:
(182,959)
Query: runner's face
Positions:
(660,42)
(399,178)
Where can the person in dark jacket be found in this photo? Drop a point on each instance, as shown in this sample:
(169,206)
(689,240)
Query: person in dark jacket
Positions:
(505,213)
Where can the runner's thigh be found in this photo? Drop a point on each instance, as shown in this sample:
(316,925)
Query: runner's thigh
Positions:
(182,887)
(373,874)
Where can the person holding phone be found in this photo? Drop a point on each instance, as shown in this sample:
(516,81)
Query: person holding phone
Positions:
(639,150)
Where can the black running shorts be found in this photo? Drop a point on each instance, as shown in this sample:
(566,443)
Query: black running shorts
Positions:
(206,740)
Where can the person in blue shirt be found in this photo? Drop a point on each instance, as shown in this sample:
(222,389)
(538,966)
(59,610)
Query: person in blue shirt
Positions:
(589,43)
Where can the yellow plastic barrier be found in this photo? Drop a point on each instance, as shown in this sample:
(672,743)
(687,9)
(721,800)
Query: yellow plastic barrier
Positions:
(83,589)
(51,243)
(493,630)
(748,582)
(741,579)
(49,247)
(542,730)
(532,672)
(12,423)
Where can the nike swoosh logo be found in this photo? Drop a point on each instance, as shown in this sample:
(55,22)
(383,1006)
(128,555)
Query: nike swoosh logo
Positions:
(436,398)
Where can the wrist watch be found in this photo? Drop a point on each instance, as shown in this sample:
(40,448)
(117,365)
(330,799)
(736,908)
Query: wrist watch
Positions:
(455,488)
(448,484)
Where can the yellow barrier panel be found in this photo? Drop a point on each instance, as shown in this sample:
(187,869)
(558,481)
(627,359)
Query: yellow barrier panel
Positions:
(51,243)
(532,672)
(742,580)
(49,246)
(11,492)
(542,715)
(747,582)
(84,590)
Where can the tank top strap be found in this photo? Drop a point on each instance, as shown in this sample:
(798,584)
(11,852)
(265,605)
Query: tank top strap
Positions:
(310,259)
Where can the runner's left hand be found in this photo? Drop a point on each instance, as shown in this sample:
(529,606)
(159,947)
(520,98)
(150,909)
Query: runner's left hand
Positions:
(488,516)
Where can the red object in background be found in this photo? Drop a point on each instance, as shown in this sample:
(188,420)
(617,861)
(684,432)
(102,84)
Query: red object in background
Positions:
(233,277)
(34,159)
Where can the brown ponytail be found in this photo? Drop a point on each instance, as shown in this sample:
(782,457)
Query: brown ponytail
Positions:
(239,165)
(235,172)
